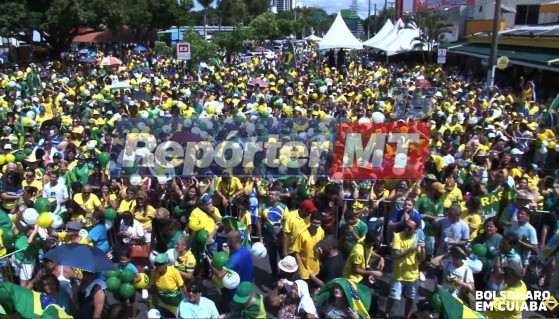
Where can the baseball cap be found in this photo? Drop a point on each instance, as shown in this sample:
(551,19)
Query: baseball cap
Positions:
(308,206)
(206,199)
(243,292)
(439,187)
(74,225)
(154,314)
(161,259)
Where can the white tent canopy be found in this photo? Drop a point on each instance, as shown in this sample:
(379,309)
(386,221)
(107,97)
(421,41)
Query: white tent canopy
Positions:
(381,34)
(399,40)
(313,37)
(339,37)
(390,36)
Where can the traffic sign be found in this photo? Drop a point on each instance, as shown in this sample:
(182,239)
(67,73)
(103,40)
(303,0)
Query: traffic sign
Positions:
(441,59)
(183,51)
(442,52)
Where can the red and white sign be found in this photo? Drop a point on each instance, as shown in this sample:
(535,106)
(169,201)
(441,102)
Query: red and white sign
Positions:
(183,51)
(380,150)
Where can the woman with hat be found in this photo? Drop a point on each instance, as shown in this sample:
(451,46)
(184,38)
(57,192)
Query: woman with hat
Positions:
(166,286)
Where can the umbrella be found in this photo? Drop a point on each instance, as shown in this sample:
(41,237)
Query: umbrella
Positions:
(88,59)
(110,61)
(84,51)
(259,82)
(260,49)
(140,49)
(82,257)
(120,85)
(423,83)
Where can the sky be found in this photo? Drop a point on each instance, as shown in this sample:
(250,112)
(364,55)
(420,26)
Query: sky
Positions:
(334,6)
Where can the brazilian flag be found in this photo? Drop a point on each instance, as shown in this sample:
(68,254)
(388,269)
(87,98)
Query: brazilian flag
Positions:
(34,81)
(288,60)
(453,308)
(28,303)
(358,296)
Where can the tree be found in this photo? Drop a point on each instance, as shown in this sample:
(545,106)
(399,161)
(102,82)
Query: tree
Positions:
(265,26)
(257,7)
(285,27)
(232,42)
(200,49)
(205,4)
(162,48)
(432,27)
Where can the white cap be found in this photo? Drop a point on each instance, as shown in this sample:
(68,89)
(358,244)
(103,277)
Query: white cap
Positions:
(491,135)
(516,151)
(154,314)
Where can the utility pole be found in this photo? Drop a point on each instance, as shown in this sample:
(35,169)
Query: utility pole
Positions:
(369,21)
(375,24)
(494,44)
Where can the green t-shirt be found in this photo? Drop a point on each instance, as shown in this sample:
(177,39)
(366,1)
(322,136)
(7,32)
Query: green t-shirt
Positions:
(5,221)
(348,241)
(82,174)
(425,205)
(29,254)
(492,246)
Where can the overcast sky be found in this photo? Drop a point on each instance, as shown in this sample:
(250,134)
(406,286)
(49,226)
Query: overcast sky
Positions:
(334,6)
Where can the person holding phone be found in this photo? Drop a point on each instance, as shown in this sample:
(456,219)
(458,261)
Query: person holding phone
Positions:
(408,253)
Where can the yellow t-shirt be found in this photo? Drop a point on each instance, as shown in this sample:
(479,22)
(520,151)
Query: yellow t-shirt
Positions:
(454,196)
(229,189)
(146,217)
(92,202)
(501,303)
(126,205)
(200,220)
(294,226)
(304,245)
(405,269)
(3,249)
(474,221)
(169,282)
(359,256)
(37,184)
(246,219)
(106,203)
(66,240)
(186,263)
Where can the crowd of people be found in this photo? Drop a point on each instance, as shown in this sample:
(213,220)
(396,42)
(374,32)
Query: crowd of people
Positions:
(334,247)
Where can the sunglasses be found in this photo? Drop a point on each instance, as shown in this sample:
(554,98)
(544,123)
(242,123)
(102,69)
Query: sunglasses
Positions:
(193,291)
(130,193)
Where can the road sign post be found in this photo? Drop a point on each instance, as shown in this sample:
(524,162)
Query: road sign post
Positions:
(183,51)
(441,57)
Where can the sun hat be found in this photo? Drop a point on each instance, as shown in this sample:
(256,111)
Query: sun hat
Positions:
(243,292)
(288,264)
(161,259)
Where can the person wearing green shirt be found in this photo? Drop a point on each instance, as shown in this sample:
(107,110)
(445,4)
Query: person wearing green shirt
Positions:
(351,231)
(431,208)
(491,240)
(5,221)
(81,171)
(27,250)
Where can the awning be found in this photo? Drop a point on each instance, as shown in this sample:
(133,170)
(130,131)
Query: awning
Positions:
(551,7)
(535,58)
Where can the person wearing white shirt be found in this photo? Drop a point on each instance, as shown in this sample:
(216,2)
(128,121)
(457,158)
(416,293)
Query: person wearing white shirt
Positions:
(195,306)
(130,230)
(56,190)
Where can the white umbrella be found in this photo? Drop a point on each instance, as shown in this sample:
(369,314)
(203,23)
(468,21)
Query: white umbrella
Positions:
(120,85)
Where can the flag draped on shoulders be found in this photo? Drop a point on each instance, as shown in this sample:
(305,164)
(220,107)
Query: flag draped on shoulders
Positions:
(28,303)
(357,296)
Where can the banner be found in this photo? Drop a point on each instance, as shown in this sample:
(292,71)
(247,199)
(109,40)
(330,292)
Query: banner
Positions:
(493,203)
(288,58)
(422,5)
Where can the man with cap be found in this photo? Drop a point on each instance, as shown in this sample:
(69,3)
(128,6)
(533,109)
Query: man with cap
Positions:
(452,230)
(166,285)
(512,296)
(510,213)
(247,303)
(205,217)
(457,277)
(195,305)
(295,223)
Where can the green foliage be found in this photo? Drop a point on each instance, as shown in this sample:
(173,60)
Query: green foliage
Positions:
(200,50)
(265,27)
(432,27)
(232,42)
(162,48)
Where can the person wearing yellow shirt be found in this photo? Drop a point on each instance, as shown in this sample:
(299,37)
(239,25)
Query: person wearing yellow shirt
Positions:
(42,116)
(144,213)
(306,257)
(454,125)
(186,262)
(472,216)
(452,195)
(31,181)
(71,235)
(355,268)
(511,298)
(227,188)
(128,203)
(408,253)
(166,286)
(295,223)
(88,201)
(206,217)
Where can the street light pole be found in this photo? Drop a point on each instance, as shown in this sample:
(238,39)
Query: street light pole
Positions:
(369,21)
(494,44)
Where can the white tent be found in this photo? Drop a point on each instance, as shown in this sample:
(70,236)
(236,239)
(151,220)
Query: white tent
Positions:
(339,37)
(381,34)
(389,37)
(404,42)
(313,37)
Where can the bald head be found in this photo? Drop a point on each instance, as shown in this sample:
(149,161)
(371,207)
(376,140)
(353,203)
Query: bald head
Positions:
(86,189)
(234,239)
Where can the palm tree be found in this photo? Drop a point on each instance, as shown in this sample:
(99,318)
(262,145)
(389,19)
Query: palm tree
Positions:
(205,4)
(432,27)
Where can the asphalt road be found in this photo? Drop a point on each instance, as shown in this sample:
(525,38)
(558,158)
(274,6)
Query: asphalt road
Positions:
(262,284)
